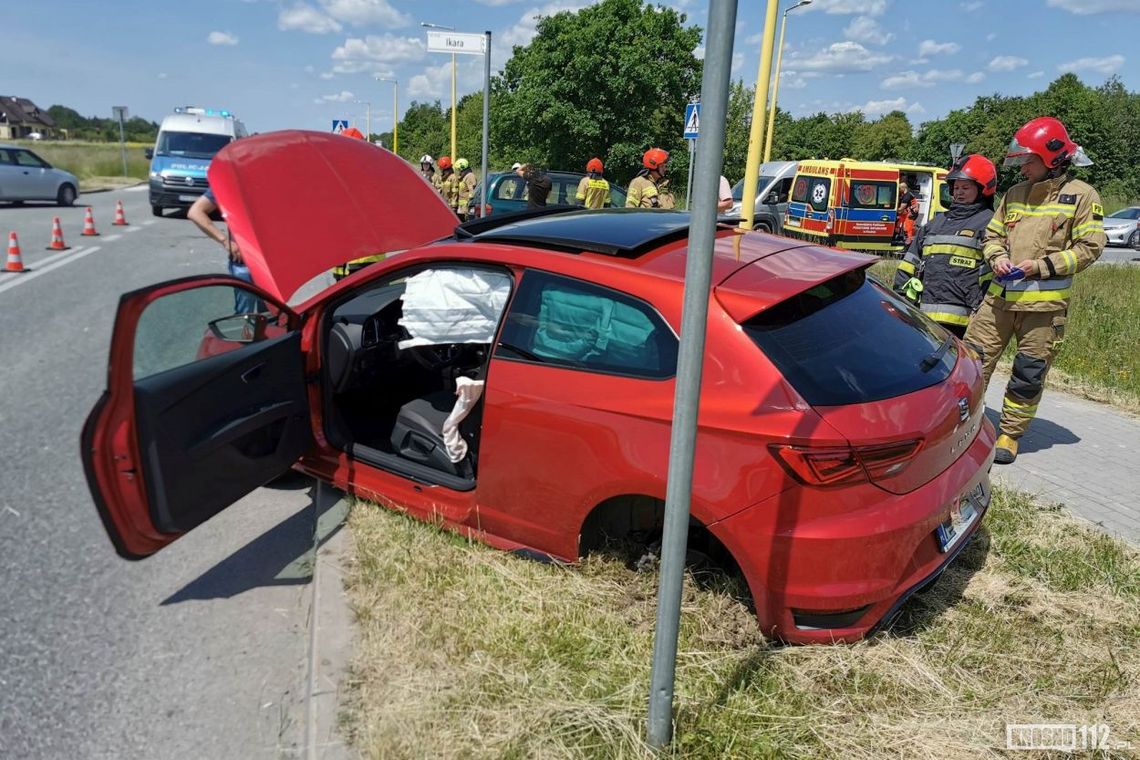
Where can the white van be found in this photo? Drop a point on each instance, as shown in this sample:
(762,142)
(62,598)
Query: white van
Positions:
(187,141)
(772,193)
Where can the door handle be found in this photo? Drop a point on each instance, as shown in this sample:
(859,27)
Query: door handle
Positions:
(252,373)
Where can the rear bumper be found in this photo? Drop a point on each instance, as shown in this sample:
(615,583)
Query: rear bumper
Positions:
(855,568)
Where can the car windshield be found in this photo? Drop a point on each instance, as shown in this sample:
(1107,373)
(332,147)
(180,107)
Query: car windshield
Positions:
(1126,213)
(738,189)
(850,340)
(190,144)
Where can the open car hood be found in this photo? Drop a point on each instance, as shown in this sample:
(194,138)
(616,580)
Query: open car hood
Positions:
(299,203)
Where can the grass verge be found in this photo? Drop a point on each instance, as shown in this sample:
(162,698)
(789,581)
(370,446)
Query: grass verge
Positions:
(93,159)
(468,652)
(1098,359)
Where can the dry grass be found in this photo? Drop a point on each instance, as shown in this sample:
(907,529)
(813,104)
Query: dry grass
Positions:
(468,652)
(93,159)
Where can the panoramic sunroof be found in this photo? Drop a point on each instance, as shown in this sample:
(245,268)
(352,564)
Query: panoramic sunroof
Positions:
(620,232)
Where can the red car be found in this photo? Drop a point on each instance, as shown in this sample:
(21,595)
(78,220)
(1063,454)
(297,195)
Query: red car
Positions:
(842,459)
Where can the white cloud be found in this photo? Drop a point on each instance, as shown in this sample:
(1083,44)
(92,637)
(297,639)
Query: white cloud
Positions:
(866,29)
(326,75)
(366,13)
(1091,7)
(344,96)
(1036,75)
(755,39)
(976,77)
(737,62)
(925,79)
(793,80)
(306,18)
(435,81)
(930,47)
(840,57)
(991,36)
(162,75)
(1007,63)
(699,52)
(523,30)
(878,107)
(1107,65)
(972,6)
(333,14)
(850,7)
(222,38)
(376,53)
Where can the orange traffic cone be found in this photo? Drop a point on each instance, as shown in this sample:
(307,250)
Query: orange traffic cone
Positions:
(57,243)
(15,263)
(120,217)
(89,224)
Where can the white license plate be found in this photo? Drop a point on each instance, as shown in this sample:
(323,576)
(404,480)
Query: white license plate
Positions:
(188,198)
(955,526)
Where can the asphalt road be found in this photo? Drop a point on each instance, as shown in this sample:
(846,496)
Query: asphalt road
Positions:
(198,652)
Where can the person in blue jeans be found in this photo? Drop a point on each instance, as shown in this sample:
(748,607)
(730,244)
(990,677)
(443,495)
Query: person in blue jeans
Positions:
(200,213)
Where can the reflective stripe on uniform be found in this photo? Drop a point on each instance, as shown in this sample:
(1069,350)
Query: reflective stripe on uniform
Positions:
(1009,406)
(1033,291)
(1088,228)
(951,250)
(956,240)
(993,248)
(1070,260)
(906,267)
(996,225)
(949,313)
(1048,209)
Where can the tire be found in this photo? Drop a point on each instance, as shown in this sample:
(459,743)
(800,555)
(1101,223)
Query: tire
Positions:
(762,227)
(1134,239)
(156,210)
(66,196)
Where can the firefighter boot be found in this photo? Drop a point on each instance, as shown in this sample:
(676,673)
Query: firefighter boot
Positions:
(1005,449)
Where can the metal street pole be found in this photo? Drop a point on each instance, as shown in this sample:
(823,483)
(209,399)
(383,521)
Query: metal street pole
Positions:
(756,134)
(395,112)
(121,114)
(486,118)
(689,184)
(368,118)
(776,81)
(694,317)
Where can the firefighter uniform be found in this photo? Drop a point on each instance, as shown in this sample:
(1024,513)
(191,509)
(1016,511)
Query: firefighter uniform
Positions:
(449,185)
(593,192)
(645,193)
(351,267)
(1059,223)
(467,182)
(946,257)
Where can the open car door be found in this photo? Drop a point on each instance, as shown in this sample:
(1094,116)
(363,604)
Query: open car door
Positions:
(205,401)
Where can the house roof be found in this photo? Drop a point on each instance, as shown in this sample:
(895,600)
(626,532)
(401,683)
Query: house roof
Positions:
(17,110)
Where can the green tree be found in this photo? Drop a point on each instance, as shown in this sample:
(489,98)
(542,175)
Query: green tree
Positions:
(610,80)
(424,129)
(889,138)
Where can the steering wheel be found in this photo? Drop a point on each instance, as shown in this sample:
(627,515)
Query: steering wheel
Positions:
(434,357)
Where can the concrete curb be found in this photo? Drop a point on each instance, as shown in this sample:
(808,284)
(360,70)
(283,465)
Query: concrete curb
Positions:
(83,191)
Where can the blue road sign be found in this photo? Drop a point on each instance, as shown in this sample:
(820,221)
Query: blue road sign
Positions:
(339,125)
(692,121)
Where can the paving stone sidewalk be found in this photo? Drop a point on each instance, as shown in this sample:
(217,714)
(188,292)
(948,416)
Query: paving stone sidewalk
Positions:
(1080,454)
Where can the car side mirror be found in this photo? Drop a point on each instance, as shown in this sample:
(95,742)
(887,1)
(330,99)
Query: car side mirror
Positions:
(771,199)
(240,328)
(149,152)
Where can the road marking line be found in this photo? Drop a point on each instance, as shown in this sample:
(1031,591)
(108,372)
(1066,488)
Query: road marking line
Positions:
(149,222)
(133,229)
(20,279)
(112,238)
(135,189)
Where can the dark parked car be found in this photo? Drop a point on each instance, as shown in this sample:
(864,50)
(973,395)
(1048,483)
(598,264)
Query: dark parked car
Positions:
(507,192)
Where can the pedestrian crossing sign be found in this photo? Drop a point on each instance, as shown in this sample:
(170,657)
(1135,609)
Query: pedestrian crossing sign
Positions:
(339,125)
(692,121)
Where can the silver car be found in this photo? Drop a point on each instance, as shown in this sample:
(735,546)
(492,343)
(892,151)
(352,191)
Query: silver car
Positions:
(24,176)
(1123,227)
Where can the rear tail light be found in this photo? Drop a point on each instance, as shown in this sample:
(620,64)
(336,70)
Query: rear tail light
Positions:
(837,466)
(487,210)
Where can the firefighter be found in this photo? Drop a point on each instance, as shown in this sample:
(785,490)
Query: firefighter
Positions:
(943,270)
(1045,230)
(467,182)
(649,189)
(428,172)
(448,183)
(593,190)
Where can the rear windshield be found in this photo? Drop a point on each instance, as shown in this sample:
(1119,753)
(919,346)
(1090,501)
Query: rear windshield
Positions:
(850,340)
(190,144)
(813,190)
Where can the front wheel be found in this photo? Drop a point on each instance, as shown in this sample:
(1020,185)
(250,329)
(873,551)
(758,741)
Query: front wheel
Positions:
(762,227)
(66,196)
(1134,239)
(156,210)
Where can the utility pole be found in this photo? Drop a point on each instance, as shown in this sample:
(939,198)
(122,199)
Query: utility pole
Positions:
(776,81)
(120,113)
(756,134)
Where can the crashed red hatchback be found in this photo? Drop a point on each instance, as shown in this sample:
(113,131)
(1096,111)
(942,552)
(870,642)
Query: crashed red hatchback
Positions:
(513,379)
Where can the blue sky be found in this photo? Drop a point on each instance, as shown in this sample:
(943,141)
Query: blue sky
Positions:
(302,63)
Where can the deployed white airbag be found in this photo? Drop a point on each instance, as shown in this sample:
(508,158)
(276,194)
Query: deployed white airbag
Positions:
(453,306)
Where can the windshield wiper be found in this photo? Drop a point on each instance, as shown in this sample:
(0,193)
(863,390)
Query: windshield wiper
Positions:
(932,360)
